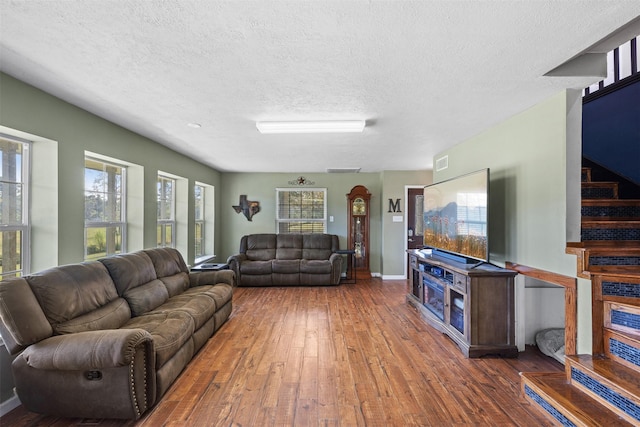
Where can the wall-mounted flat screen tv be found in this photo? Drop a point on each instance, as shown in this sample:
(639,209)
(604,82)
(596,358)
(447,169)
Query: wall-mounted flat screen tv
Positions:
(456,215)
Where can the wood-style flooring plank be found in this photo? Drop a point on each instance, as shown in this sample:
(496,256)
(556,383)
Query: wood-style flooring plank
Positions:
(348,355)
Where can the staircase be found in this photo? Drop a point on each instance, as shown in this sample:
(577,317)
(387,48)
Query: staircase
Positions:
(603,389)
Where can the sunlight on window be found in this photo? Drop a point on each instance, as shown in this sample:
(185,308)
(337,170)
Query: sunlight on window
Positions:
(166,212)
(14,218)
(104,208)
(301,211)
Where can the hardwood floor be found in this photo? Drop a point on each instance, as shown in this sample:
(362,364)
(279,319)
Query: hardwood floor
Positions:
(351,355)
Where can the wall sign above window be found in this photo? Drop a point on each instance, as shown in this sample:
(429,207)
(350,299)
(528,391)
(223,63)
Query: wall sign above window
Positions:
(301,180)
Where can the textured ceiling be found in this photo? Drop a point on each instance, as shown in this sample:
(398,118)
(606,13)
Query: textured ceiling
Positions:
(425,75)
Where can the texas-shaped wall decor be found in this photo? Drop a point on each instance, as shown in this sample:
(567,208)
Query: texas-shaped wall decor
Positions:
(248,207)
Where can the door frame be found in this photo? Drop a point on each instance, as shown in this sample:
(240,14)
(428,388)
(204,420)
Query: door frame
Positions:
(406,236)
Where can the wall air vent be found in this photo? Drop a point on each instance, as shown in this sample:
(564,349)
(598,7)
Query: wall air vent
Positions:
(343,170)
(442,163)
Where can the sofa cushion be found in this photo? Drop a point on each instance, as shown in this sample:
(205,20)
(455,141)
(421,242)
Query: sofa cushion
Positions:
(197,305)
(169,267)
(315,266)
(176,283)
(208,277)
(130,270)
(170,330)
(220,293)
(111,316)
(200,301)
(261,247)
(135,277)
(288,254)
(69,291)
(317,246)
(146,297)
(167,261)
(289,246)
(256,267)
(285,266)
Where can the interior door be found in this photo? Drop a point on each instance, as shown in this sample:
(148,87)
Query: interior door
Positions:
(415,207)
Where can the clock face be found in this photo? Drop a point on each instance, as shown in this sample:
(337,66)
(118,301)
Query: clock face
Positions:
(359,207)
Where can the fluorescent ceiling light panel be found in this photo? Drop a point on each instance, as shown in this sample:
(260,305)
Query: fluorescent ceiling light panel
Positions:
(312,127)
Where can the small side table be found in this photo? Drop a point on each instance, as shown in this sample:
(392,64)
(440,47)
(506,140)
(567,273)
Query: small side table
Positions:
(210,266)
(351,265)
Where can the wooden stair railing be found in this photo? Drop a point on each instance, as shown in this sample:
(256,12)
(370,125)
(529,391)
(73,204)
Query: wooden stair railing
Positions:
(603,388)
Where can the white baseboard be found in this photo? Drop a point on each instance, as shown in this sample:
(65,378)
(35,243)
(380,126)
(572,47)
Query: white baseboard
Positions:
(9,405)
(393,277)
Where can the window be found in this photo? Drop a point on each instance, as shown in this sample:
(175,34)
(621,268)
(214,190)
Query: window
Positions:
(166,212)
(104,208)
(14,209)
(301,211)
(204,215)
(199,196)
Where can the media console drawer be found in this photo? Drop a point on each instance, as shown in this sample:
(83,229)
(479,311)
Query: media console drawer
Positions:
(460,282)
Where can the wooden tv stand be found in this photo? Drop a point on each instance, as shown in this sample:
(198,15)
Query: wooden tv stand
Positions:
(473,304)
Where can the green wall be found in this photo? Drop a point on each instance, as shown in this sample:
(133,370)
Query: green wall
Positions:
(73,131)
(527,157)
(64,132)
(262,187)
(386,240)
(394,186)
(534,201)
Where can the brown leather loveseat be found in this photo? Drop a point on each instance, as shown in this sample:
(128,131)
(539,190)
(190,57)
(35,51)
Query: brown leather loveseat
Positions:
(106,339)
(287,260)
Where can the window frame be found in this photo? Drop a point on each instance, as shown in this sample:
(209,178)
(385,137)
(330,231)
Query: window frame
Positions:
(209,218)
(280,220)
(122,223)
(199,207)
(25,221)
(162,222)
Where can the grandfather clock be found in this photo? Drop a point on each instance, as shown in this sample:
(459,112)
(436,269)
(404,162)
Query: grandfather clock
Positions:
(359,214)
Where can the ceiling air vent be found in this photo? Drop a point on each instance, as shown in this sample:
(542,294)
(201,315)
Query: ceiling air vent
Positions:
(343,170)
(442,163)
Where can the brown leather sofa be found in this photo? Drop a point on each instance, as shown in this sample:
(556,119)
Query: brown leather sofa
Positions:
(106,339)
(287,260)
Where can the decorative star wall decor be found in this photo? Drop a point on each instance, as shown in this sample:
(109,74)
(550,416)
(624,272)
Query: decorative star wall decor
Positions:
(248,207)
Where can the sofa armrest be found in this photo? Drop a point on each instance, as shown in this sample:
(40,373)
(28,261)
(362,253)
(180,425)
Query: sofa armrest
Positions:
(108,373)
(234,262)
(101,349)
(336,261)
(210,277)
(336,268)
(334,257)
